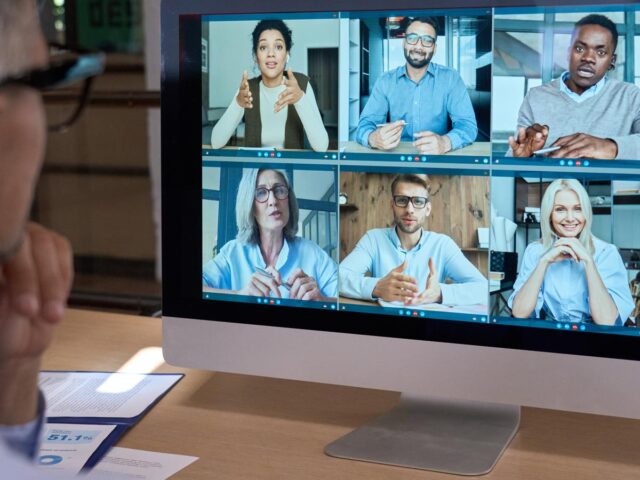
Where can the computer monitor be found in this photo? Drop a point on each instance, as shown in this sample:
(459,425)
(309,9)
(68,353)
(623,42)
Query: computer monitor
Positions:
(440,201)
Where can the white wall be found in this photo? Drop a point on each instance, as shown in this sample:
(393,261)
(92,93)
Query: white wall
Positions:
(230,52)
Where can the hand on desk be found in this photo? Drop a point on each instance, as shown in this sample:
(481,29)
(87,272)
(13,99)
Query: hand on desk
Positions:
(387,137)
(581,145)
(300,285)
(430,143)
(529,140)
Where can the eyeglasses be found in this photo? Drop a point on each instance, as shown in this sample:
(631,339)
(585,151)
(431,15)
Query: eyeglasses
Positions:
(279,191)
(65,68)
(403,200)
(426,40)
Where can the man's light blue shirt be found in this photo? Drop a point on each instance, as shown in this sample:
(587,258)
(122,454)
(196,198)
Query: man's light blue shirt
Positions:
(564,293)
(233,267)
(425,105)
(379,251)
(592,91)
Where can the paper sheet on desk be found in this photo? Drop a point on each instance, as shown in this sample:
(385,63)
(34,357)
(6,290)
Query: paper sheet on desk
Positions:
(140,464)
(67,447)
(437,307)
(102,394)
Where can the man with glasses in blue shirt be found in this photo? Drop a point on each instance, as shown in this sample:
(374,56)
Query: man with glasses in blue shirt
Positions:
(407,264)
(35,263)
(418,98)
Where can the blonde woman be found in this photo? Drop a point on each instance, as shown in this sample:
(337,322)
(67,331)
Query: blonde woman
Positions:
(267,259)
(569,275)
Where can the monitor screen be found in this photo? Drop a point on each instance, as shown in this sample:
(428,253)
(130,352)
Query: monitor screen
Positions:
(394,186)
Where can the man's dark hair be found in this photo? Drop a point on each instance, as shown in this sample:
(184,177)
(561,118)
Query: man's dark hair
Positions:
(278,25)
(410,178)
(602,21)
(428,20)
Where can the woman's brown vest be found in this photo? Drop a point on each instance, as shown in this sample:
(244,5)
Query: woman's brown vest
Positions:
(293,130)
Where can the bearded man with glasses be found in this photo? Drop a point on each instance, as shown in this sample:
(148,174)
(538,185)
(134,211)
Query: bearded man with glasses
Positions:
(408,264)
(419,98)
(36,267)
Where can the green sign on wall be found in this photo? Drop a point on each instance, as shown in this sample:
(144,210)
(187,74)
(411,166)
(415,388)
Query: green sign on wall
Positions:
(110,25)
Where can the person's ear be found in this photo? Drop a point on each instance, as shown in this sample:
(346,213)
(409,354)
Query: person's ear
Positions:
(612,65)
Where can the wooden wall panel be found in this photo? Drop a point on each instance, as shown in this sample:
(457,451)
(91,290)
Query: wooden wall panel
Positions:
(460,206)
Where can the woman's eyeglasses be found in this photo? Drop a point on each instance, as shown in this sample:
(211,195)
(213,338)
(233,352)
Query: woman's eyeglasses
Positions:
(65,67)
(279,191)
(403,200)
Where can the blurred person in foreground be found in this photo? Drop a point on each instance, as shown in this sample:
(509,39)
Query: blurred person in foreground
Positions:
(36,266)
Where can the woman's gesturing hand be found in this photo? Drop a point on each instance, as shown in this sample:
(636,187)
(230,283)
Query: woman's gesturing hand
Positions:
(291,94)
(244,97)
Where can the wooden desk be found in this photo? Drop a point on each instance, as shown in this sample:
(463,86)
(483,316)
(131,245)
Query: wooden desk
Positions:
(245,427)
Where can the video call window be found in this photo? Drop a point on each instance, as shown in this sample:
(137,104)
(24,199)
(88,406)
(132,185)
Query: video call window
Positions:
(399,64)
(539,58)
(270,83)
(270,232)
(413,243)
(565,250)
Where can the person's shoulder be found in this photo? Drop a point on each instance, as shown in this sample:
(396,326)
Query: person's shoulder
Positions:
(551,88)
(626,89)
(436,238)
(233,246)
(304,244)
(443,70)
(390,75)
(534,249)
(603,248)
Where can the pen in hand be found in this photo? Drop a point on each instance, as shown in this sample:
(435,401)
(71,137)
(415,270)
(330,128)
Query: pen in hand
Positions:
(268,274)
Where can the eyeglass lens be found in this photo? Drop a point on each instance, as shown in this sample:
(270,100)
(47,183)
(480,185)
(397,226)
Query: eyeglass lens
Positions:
(426,40)
(403,200)
(279,191)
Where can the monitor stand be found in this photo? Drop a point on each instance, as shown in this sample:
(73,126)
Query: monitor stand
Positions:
(451,436)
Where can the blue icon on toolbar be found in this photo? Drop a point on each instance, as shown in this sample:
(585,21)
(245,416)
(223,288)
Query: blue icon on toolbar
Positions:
(586,163)
(567,326)
(401,312)
(583,328)
(562,163)
(402,158)
(278,154)
(570,163)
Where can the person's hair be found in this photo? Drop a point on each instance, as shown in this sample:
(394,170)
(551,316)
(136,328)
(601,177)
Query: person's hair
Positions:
(428,20)
(278,25)
(411,178)
(19,26)
(248,228)
(602,21)
(546,209)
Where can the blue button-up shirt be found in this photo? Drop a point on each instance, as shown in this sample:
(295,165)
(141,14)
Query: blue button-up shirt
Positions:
(425,106)
(379,251)
(233,267)
(564,294)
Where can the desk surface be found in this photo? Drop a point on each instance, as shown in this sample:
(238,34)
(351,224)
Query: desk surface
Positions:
(260,428)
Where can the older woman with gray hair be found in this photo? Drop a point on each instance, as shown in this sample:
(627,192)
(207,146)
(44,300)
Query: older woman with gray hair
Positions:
(570,275)
(267,259)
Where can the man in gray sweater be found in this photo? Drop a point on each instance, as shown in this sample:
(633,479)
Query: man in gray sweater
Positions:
(583,113)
